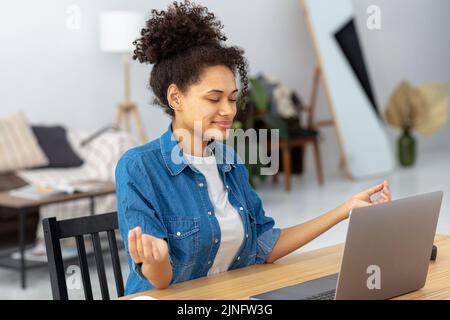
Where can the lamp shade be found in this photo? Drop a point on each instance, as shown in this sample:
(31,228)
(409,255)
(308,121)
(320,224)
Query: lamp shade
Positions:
(118,29)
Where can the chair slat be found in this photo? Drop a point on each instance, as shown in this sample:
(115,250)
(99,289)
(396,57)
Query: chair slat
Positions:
(82,258)
(115,262)
(100,265)
(55,261)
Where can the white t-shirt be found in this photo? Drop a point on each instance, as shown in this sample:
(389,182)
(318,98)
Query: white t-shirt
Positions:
(230,222)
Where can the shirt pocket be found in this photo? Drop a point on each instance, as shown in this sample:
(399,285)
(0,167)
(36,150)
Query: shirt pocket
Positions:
(183,236)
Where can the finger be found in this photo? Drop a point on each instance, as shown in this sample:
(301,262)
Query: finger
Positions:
(139,246)
(132,246)
(374,189)
(386,195)
(378,201)
(138,231)
(131,237)
(156,253)
(383,198)
(389,197)
(147,244)
(387,191)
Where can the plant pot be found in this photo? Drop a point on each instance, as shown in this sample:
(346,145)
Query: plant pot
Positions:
(406,148)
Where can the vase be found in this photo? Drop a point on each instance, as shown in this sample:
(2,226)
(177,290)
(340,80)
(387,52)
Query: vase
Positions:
(406,148)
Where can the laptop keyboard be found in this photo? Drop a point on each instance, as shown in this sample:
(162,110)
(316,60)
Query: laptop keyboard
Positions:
(327,295)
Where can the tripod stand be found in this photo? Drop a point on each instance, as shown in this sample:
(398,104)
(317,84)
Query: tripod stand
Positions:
(127,109)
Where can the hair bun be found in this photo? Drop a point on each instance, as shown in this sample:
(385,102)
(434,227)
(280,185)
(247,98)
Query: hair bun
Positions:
(180,27)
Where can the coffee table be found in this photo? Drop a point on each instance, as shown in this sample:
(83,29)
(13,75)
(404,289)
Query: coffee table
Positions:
(23,206)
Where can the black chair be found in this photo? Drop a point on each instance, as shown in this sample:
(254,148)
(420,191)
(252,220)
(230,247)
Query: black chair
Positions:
(77,228)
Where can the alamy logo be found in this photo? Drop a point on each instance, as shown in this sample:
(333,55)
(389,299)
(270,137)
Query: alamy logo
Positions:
(73,20)
(374,279)
(253,146)
(73,279)
(373,21)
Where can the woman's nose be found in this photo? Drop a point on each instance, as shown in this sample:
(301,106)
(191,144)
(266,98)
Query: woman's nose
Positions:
(227,109)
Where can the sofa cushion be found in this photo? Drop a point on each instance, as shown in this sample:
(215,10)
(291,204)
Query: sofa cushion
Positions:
(54,142)
(19,148)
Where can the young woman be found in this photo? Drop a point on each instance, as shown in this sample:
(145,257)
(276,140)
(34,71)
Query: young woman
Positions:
(186,208)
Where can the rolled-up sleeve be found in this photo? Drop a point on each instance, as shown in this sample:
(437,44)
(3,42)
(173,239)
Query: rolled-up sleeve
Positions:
(267,234)
(134,204)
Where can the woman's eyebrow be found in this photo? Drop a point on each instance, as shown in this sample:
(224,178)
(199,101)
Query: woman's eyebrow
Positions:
(220,91)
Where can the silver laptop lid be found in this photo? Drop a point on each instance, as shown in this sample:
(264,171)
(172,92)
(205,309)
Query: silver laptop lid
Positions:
(388,248)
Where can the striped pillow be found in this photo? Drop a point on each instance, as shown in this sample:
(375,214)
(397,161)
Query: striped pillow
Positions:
(19,148)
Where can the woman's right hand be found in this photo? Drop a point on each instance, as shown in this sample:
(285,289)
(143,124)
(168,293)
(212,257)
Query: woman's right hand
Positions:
(145,248)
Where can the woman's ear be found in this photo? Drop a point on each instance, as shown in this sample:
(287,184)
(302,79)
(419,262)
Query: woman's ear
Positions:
(173,97)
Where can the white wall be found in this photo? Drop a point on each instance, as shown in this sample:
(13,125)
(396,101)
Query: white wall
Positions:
(413,44)
(52,72)
(57,75)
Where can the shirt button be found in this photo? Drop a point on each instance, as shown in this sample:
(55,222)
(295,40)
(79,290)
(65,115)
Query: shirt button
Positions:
(227,187)
(209,262)
(200,184)
(238,258)
(178,233)
(240,208)
(246,235)
(217,240)
(209,213)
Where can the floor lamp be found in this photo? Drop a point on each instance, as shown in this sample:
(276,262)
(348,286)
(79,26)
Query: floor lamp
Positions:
(118,29)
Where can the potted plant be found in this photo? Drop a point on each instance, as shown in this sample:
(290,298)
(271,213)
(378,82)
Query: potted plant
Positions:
(255,115)
(423,109)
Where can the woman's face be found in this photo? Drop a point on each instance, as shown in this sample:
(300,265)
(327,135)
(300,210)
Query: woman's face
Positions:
(208,107)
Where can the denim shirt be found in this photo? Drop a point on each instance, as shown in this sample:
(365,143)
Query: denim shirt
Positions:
(158,190)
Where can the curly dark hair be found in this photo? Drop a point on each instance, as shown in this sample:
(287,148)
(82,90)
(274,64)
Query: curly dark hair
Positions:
(181,42)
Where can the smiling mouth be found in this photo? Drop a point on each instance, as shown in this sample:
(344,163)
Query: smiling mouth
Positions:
(223,124)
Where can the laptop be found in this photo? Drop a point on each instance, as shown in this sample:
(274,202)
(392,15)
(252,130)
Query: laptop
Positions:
(386,254)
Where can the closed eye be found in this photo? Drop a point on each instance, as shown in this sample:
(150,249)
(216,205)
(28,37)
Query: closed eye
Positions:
(216,101)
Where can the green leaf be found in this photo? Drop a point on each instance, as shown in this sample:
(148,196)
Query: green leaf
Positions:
(259,95)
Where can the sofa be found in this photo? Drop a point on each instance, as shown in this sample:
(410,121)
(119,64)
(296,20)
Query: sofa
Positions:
(99,158)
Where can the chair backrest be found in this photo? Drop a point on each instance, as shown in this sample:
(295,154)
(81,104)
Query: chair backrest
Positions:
(78,227)
(311,109)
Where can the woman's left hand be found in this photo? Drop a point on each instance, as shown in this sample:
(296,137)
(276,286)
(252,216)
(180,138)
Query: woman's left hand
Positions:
(363,199)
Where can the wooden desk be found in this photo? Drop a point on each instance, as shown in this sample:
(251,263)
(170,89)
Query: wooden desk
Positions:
(245,282)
